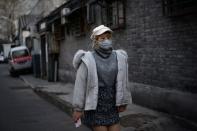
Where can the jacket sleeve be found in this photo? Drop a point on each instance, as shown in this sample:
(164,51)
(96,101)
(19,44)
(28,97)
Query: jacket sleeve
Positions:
(123,95)
(79,93)
(127,89)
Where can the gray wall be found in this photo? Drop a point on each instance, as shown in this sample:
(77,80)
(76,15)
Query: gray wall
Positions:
(162,57)
(162,50)
(68,48)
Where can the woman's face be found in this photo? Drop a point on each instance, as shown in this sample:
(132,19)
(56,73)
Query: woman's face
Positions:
(104,36)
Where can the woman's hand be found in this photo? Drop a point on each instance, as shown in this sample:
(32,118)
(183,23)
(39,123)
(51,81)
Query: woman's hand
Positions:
(122,108)
(77,115)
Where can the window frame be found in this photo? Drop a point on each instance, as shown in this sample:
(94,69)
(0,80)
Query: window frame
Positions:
(77,23)
(59,32)
(107,12)
(91,12)
(179,7)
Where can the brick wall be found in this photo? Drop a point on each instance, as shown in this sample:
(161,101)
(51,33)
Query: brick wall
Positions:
(162,58)
(68,48)
(162,50)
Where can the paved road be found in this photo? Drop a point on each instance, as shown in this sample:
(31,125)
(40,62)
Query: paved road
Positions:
(22,110)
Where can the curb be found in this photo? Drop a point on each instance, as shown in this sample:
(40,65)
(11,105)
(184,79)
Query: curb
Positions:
(53,99)
(27,83)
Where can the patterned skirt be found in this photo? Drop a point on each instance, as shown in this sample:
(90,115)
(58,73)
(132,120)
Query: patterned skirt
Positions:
(106,113)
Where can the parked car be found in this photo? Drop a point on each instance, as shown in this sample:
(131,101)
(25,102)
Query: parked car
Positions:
(19,59)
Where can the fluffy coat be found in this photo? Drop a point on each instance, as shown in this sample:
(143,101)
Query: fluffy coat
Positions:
(86,84)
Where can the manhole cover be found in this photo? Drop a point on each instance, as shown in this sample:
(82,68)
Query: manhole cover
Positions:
(136,120)
(19,87)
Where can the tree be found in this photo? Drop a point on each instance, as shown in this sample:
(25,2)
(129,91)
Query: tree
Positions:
(8,8)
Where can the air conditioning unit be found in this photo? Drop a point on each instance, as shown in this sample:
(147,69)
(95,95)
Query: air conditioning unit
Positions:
(65,11)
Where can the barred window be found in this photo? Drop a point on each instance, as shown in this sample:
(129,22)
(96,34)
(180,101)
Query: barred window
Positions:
(179,7)
(77,22)
(91,12)
(59,32)
(113,13)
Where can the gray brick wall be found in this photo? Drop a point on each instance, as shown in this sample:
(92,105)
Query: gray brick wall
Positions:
(68,48)
(162,50)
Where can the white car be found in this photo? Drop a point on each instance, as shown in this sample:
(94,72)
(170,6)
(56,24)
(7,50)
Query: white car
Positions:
(19,59)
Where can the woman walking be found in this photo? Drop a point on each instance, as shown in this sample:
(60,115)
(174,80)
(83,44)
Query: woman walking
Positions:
(101,87)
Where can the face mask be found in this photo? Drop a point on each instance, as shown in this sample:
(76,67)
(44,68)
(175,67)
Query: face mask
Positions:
(106,44)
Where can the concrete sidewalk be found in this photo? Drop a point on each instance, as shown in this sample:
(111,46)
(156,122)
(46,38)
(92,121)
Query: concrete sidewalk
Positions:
(136,118)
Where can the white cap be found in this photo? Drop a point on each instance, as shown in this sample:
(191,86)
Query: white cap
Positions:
(99,30)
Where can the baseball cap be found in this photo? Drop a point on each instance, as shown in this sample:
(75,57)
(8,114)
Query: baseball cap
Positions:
(99,30)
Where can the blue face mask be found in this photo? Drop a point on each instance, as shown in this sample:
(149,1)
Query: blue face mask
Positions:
(106,44)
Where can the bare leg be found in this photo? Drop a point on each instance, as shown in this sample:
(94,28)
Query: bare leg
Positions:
(100,128)
(115,127)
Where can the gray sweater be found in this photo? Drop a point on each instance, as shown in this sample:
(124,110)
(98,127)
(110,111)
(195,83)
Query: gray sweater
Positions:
(85,95)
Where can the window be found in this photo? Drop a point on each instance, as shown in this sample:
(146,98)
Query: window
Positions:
(59,32)
(91,13)
(113,13)
(20,53)
(179,7)
(77,22)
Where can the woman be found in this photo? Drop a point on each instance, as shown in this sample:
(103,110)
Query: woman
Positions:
(101,91)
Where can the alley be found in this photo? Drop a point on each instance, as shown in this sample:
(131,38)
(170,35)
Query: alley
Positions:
(22,110)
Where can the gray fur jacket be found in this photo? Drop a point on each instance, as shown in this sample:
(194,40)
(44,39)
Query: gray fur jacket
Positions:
(86,84)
